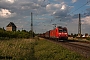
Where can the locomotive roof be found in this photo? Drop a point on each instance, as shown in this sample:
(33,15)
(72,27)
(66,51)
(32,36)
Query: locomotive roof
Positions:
(59,27)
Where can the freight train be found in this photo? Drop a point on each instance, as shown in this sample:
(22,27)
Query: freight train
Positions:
(59,33)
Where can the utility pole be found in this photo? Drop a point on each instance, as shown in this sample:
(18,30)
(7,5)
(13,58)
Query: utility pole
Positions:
(31,24)
(79,26)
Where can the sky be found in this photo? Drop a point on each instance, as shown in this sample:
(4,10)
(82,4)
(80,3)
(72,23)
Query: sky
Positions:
(46,13)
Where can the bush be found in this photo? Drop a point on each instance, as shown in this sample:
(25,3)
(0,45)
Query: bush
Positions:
(15,34)
(88,38)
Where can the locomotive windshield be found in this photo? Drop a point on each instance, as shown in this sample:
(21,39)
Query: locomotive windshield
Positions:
(62,30)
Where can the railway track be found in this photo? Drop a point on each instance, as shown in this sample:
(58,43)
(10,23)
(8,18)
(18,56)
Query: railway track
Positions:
(87,48)
(80,47)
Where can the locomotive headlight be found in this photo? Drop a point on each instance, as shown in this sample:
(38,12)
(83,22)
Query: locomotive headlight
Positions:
(65,33)
(59,33)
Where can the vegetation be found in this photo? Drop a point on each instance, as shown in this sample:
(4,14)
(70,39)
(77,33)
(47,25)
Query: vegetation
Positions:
(16,49)
(28,49)
(46,50)
(15,34)
(88,38)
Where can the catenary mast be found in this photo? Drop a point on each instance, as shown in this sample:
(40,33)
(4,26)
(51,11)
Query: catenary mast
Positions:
(31,24)
(79,26)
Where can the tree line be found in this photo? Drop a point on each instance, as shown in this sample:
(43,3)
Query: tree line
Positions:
(15,34)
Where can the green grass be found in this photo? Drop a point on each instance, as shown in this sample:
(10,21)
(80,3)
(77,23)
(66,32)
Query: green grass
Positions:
(46,50)
(16,49)
(26,49)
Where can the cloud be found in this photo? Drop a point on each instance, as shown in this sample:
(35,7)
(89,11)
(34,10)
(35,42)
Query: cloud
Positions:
(29,5)
(73,1)
(58,10)
(86,20)
(4,13)
(63,7)
(8,1)
(88,11)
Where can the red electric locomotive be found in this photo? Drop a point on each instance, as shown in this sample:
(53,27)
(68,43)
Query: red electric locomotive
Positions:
(59,33)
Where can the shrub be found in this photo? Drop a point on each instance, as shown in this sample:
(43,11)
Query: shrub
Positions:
(88,38)
(15,34)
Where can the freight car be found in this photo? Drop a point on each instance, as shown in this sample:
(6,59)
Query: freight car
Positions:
(59,33)
(42,35)
(47,34)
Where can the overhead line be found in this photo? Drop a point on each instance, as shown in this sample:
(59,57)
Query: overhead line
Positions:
(81,6)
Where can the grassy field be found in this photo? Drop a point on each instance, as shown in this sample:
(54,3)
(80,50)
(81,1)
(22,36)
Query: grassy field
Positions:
(33,49)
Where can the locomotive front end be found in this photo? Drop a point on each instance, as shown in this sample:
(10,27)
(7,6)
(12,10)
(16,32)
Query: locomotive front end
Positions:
(62,33)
